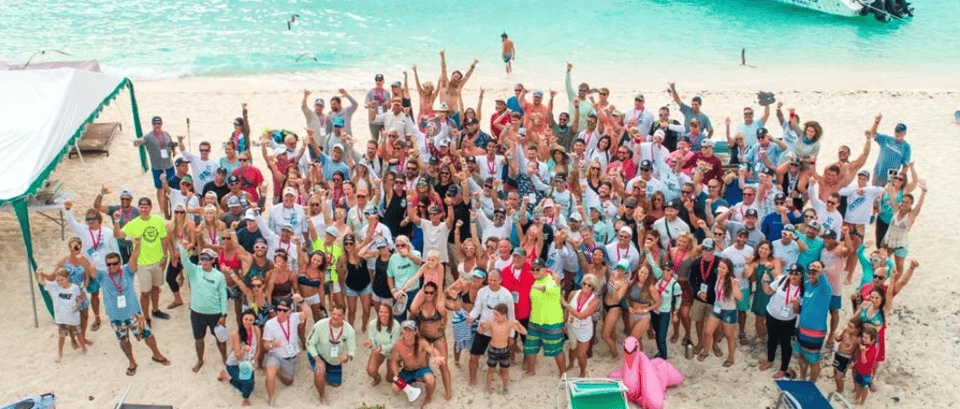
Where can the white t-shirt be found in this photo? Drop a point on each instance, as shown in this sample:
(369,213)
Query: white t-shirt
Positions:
(860,206)
(280,215)
(676,228)
(203,170)
(273,330)
(739,258)
(789,252)
(435,238)
(490,168)
(779,307)
(65,303)
(177,197)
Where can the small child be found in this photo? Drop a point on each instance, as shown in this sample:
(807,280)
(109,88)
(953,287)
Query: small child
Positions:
(866,362)
(849,341)
(500,330)
(431,271)
(67,298)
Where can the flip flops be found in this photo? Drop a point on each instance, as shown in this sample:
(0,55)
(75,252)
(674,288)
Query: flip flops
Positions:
(164,361)
(131,371)
(728,363)
(95,326)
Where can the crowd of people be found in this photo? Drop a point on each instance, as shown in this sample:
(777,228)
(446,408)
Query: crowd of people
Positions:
(563,232)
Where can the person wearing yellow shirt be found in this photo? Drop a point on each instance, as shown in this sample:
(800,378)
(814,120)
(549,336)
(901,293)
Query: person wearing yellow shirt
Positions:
(546,320)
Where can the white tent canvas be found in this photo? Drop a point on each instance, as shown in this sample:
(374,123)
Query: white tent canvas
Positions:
(40,112)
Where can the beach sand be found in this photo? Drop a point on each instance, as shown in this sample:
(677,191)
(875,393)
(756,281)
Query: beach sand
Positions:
(922,343)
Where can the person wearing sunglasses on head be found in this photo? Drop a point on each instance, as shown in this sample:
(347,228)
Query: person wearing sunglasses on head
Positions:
(97,241)
(122,307)
(208,299)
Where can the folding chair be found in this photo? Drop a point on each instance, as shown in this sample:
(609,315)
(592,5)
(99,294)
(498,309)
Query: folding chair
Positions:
(806,395)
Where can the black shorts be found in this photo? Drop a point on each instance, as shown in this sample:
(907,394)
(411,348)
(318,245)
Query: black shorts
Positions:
(524,323)
(499,356)
(200,322)
(840,363)
(480,343)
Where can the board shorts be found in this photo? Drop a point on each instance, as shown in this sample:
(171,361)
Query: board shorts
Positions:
(287,366)
(480,343)
(549,337)
(149,276)
(409,376)
(744,303)
(807,343)
(507,57)
(728,317)
(862,380)
(841,362)
(124,327)
(157,174)
(93,286)
(200,322)
(498,356)
(333,373)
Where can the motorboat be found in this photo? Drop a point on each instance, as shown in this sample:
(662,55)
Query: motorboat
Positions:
(882,10)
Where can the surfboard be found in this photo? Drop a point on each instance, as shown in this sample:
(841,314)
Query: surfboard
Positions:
(45,401)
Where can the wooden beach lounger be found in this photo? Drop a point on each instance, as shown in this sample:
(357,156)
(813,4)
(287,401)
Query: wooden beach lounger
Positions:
(97,138)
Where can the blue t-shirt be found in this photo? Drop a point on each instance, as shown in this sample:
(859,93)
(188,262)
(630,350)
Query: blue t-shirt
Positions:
(110,293)
(733,194)
(772,225)
(815,304)
(514,105)
(893,155)
(813,250)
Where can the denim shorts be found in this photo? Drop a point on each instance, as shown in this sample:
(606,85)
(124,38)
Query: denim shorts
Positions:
(350,293)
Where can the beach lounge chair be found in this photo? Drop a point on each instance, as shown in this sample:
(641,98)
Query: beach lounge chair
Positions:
(806,395)
(593,393)
(97,138)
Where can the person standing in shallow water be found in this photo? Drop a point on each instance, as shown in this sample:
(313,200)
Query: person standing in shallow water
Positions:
(509,52)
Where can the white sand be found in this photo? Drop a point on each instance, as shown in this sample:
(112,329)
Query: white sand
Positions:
(922,339)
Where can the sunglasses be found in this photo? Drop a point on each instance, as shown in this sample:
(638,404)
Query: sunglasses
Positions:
(257,285)
(583,90)
(713,187)
(748,194)
(469,248)
(794,273)
(206,259)
(359,197)
(808,217)
(90,219)
(813,271)
(686,192)
(226,238)
(259,247)
(899,178)
(113,264)
(179,211)
(748,114)
(604,93)
(832,202)
(429,292)
(244,160)
(283,310)
(401,246)
(878,277)
(778,202)
(236,124)
(204,150)
(518,90)
(75,248)
(314,204)
(125,199)
(488,186)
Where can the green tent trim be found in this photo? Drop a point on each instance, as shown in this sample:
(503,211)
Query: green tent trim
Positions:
(20,202)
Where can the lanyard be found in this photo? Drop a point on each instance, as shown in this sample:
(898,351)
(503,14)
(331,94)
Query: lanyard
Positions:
(161,140)
(213,236)
(119,286)
(250,334)
(662,285)
(286,333)
(98,240)
(719,289)
(279,243)
(580,304)
(126,216)
(627,254)
(589,253)
(679,258)
(795,293)
(337,339)
(492,165)
(704,273)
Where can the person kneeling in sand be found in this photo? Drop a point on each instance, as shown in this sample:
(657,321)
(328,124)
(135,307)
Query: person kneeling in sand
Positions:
(411,354)
(500,328)
(331,343)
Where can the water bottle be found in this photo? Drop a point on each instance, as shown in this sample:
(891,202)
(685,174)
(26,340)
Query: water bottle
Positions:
(688,350)
(246,370)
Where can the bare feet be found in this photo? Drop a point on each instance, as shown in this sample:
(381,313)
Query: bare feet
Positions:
(764,366)
(873,386)
(674,338)
(196,368)
(728,363)
(529,373)
(426,401)
(778,375)
(58,358)
(702,356)
(474,383)
(376,381)
(245,402)
(448,395)
(74,344)
(717,351)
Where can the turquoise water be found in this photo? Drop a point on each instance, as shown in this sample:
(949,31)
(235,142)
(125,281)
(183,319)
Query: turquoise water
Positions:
(150,39)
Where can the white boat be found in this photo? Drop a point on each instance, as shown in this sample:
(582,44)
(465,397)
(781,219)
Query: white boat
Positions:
(883,10)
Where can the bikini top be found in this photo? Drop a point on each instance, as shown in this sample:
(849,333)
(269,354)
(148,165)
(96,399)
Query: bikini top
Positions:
(636,295)
(435,318)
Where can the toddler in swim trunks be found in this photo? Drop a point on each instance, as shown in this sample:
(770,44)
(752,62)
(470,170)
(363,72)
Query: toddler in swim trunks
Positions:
(498,353)
(849,341)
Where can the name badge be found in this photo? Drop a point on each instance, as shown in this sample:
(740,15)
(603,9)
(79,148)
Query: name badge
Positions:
(516,296)
(716,309)
(703,288)
(288,349)
(786,311)
(164,154)
(379,109)
(335,351)
(121,301)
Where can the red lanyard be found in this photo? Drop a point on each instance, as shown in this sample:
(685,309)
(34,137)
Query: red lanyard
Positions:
(662,285)
(373,227)
(704,273)
(580,304)
(589,253)
(126,216)
(554,219)
(719,289)
(402,164)
(286,333)
(279,243)
(619,257)
(378,94)
(119,286)
(213,236)
(492,165)
(795,293)
(250,337)
(679,258)
(161,140)
(98,240)
(337,339)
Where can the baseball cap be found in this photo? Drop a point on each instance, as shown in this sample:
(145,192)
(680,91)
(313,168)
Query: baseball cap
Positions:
(210,252)
(674,204)
(180,161)
(333,231)
(625,230)
(547,203)
(287,227)
(280,150)
(338,122)
(289,191)
(638,97)
(233,201)
(500,210)
(337,146)
(814,225)
(789,228)
(378,77)
(829,234)
(864,173)
(433,160)
(751,213)
(410,324)
(575,217)
(396,84)
(221,171)
(157,121)
(471,121)
(779,196)
(668,265)
(538,93)
(233,179)
(519,251)
(646,164)
(251,215)
(472,159)
(435,209)
(796,267)
(187,179)
(127,193)
(478,273)
(762,132)
(381,243)
(370,211)
(318,101)
(453,190)
(623,264)
(743,232)
(900,128)
(708,244)
(706,143)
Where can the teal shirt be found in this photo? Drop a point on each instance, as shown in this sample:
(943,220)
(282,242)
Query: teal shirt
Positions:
(669,296)
(813,251)
(208,288)
(867,267)
(402,269)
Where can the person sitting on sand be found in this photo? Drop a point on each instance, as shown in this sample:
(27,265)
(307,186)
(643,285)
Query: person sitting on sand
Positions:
(500,328)
(123,308)
(244,346)
(411,359)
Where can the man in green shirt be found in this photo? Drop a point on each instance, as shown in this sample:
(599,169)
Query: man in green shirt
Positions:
(152,261)
(546,320)
(208,299)
(334,342)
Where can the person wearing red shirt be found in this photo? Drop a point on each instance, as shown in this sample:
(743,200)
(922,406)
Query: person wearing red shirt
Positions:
(518,279)
(627,163)
(706,158)
(499,119)
(251,180)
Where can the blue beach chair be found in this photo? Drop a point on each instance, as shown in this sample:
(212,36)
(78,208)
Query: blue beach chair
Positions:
(592,393)
(806,395)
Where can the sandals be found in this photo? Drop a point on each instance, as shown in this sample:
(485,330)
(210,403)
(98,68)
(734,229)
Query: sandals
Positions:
(743,339)
(164,361)
(674,338)
(702,356)
(132,371)
(728,363)
(95,326)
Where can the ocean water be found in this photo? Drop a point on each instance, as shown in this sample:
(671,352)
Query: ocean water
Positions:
(175,38)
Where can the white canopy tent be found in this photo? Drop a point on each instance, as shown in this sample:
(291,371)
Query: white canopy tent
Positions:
(42,114)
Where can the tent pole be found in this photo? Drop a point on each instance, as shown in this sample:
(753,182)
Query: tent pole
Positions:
(33,295)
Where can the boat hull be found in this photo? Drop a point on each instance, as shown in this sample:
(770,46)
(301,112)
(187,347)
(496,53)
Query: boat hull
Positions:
(845,8)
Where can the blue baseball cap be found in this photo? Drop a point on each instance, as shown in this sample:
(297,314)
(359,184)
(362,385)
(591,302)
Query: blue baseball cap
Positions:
(900,128)
(338,122)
